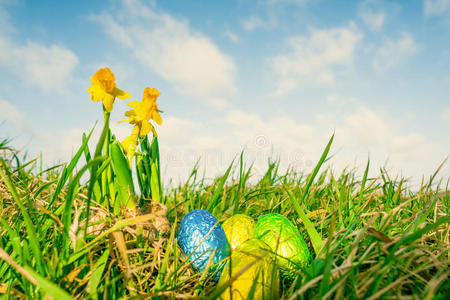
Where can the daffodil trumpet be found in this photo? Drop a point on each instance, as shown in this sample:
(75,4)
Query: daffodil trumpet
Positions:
(104,88)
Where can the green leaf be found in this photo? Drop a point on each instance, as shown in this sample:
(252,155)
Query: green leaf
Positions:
(156,169)
(141,176)
(122,172)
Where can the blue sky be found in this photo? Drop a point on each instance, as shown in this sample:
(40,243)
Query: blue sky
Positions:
(276,77)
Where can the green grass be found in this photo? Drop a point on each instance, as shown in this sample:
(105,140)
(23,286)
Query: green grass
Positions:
(370,237)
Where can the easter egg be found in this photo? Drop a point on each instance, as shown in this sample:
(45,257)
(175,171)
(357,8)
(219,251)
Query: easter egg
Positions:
(285,240)
(259,278)
(238,229)
(200,236)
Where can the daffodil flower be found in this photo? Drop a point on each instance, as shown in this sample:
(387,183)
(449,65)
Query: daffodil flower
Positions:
(140,116)
(104,88)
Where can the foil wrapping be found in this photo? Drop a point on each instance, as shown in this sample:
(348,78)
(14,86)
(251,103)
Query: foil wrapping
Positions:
(201,236)
(286,241)
(238,229)
(259,278)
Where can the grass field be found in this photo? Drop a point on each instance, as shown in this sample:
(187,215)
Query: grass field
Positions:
(370,237)
(103,226)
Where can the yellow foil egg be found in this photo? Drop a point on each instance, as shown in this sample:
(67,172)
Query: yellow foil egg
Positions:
(258,275)
(238,229)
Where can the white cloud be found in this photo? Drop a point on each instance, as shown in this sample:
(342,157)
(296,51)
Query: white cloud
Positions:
(331,99)
(47,67)
(179,54)
(9,113)
(56,145)
(367,126)
(363,131)
(446,114)
(253,22)
(283,132)
(360,131)
(59,145)
(5,24)
(373,19)
(373,14)
(296,2)
(394,52)
(183,142)
(409,141)
(314,58)
(269,19)
(232,36)
(436,7)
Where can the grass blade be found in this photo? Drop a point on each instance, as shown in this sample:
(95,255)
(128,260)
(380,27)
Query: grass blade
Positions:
(71,192)
(316,240)
(48,287)
(97,274)
(216,196)
(32,236)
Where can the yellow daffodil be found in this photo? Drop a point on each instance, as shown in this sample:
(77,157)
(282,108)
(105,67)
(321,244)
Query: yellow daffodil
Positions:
(130,143)
(140,116)
(104,88)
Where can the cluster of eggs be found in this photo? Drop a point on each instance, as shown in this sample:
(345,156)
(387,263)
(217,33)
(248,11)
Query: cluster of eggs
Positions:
(250,255)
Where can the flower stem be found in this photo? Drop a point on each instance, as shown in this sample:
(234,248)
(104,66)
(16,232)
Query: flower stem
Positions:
(101,141)
(98,152)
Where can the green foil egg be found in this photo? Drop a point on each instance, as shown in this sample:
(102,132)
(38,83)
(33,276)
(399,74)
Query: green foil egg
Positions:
(261,278)
(238,229)
(286,241)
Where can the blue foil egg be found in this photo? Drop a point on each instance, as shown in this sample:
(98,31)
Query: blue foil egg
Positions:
(200,235)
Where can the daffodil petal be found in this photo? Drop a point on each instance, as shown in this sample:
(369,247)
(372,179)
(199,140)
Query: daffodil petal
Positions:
(96,93)
(128,144)
(108,101)
(133,103)
(93,80)
(146,127)
(157,117)
(130,113)
(135,131)
(120,94)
